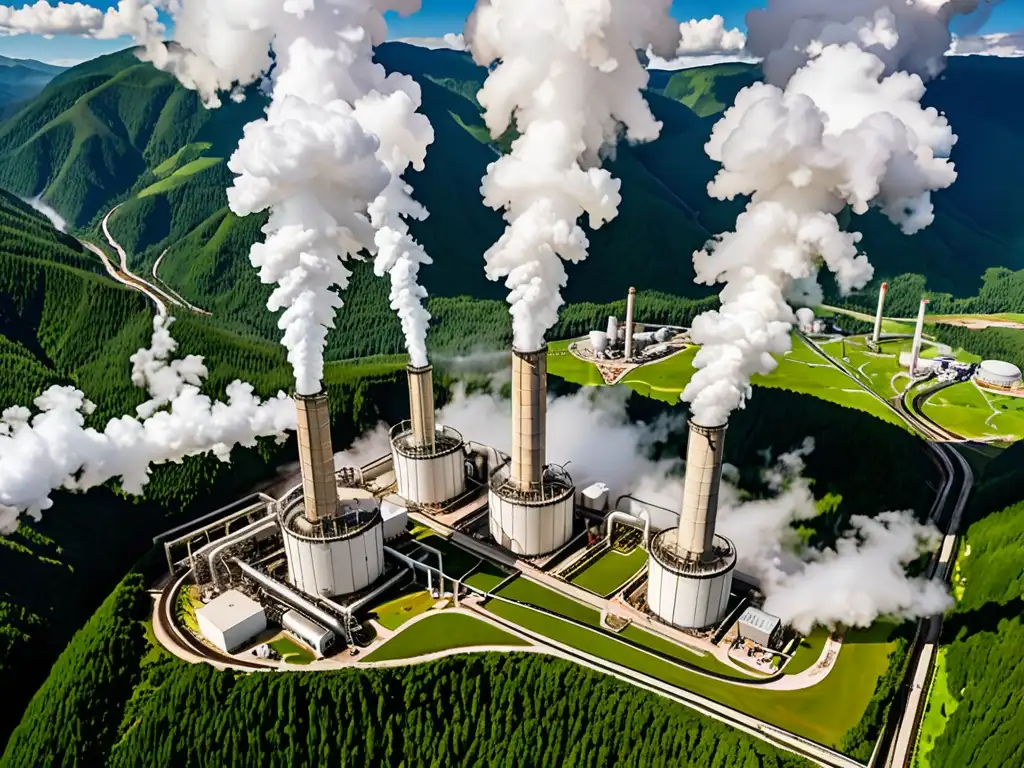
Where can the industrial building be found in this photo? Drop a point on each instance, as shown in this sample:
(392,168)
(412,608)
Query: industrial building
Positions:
(760,627)
(998,373)
(629,342)
(231,620)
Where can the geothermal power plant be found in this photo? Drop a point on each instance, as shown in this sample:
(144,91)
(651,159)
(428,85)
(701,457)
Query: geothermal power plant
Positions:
(316,557)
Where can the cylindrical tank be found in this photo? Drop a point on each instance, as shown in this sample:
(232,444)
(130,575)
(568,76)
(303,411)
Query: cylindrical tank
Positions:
(599,341)
(999,373)
(337,555)
(613,329)
(685,593)
(428,475)
(535,521)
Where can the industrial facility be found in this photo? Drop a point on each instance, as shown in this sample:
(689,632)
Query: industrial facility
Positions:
(999,375)
(630,342)
(312,563)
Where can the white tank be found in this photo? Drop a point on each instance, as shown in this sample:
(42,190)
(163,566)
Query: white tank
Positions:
(689,594)
(428,475)
(337,556)
(529,528)
(599,341)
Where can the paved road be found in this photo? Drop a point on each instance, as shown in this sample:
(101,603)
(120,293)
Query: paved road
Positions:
(170,291)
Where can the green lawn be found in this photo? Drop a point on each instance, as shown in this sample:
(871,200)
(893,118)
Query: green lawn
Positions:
(823,713)
(442,632)
(940,707)
(564,364)
(457,561)
(808,651)
(292,652)
(611,570)
(179,177)
(487,576)
(970,412)
(395,613)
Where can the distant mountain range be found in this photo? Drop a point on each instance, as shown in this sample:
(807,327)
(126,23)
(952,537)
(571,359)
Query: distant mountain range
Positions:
(21,79)
(115,131)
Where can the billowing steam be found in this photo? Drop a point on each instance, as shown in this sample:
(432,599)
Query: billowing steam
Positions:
(838,124)
(52,447)
(569,77)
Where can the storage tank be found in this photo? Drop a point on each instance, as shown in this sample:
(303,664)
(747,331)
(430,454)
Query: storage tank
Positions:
(998,373)
(690,566)
(307,631)
(530,503)
(429,461)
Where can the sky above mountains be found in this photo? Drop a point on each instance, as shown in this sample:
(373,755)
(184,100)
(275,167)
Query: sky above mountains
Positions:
(440,22)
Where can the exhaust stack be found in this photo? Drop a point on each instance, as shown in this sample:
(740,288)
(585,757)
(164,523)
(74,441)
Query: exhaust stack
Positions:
(316,456)
(915,351)
(529,416)
(704,451)
(630,302)
(878,316)
(421,405)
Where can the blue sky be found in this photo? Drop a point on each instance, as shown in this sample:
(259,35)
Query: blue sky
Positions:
(437,18)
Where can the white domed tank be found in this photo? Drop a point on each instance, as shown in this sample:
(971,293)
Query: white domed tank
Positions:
(998,373)
(599,341)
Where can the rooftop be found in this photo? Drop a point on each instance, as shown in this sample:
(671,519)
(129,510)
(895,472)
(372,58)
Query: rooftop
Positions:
(229,609)
(754,617)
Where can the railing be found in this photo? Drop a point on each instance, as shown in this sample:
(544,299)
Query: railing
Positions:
(669,555)
(555,484)
(446,440)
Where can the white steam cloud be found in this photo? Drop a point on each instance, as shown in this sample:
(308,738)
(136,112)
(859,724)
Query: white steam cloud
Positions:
(858,581)
(839,123)
(48,211)
(568,74)
(53,448)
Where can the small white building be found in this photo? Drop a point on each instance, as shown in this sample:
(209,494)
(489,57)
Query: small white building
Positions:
(231,620)
(763,628)
(998,373)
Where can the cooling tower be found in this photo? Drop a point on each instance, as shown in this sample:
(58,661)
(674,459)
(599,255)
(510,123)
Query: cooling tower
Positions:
(915,351)
(878,315)
(316,457)
(531,505)
(690,568)
(630,302)
(429,462)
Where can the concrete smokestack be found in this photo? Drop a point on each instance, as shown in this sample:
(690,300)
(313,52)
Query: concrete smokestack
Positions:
(700,491)
(529,416)
(421,405)
(630,302)
(316,457)
(878,315)
(915,351)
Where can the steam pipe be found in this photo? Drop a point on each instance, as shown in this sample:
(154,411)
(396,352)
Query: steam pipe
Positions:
(529,416)
(630,301)
(316,456)
(292,598)
(878,315)
(251,531)
(421,404)
(643,520)
(915,353)
(704,454)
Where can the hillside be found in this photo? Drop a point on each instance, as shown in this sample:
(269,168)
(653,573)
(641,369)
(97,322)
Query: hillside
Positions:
(21,79)
(114,131)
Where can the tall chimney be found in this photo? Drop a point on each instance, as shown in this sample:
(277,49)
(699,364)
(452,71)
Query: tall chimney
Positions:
(630,301)
(915,350)
(700,491)
(316,457)
(529,416)
(421,405)
(878,316)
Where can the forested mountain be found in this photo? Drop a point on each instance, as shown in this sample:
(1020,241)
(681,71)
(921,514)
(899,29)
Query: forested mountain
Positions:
(21,79)
(115,131)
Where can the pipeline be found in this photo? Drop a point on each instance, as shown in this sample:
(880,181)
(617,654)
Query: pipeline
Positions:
(643,519)
(216,548)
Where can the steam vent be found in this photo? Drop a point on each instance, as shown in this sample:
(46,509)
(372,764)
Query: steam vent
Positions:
(333,548)
(690,569)
(429,461)
(531,505)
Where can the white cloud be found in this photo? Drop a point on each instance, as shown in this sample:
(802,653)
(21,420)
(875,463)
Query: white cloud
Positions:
(1007,44)
(130,17)
(452,41)
(705,42)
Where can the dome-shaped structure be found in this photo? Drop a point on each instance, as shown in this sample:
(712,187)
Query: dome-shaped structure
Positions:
(999,373)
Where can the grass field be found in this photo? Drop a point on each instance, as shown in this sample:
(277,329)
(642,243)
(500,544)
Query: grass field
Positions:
(487,576)
(823,713)
(611,570)
(940,707)
(973,413)
(292,652)
(808,651)
(395,613)
(440,633)
(457,561)
(180,176)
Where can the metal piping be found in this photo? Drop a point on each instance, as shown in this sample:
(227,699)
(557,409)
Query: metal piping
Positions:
(644,519)
(217,547)
(878,315)
(529,417)
(630,301)
(704,452)
(421,405)
(915,353)
(293,598)
(316,457)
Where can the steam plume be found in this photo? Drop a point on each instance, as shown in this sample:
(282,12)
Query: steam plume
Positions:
(568,74)
(838,124)
(52,447)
